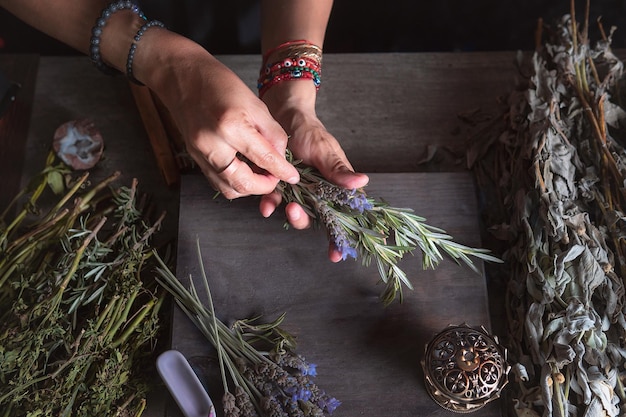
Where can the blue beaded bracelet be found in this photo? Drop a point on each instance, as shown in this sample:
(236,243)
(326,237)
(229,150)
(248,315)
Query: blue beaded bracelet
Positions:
(133,47)
(96,32)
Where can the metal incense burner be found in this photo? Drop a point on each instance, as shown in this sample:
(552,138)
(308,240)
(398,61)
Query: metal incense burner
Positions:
(464,368)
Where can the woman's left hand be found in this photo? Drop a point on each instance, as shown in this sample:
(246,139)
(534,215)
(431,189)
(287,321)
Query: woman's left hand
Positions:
(292,103)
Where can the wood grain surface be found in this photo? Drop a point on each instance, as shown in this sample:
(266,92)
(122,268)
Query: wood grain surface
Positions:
(368,356)
(21,69)
(392,113)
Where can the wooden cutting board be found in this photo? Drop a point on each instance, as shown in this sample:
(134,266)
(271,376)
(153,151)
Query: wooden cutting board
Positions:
(367,356)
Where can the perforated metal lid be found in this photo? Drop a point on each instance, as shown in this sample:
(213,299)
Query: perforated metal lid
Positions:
(464,368)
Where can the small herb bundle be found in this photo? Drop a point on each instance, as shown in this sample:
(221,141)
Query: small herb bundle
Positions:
(360,226)
(261,373)
(76,320)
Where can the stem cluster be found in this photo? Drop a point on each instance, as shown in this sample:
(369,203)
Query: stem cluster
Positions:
(76,319)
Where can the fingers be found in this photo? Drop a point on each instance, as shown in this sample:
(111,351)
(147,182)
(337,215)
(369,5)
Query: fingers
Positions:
(268,204)
(297,217)
(333,253)
(258,170)
(315,146)
(237,179)
(341,173)
(268,155)
(335,167)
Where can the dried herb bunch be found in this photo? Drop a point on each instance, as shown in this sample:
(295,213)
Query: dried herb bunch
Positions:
(360,226)
(556,164)
(261,372)
(76,320)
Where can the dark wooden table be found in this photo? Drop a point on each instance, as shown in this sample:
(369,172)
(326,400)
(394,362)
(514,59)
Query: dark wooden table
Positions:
(397,118)
(14,125)
(367,355)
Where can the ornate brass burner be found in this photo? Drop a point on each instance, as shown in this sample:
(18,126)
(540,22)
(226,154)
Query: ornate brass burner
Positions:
(464,368)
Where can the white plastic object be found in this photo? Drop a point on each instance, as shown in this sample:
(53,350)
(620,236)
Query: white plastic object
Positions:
(184,385)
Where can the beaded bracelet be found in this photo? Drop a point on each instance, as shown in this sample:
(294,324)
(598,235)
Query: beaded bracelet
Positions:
(274,73)
(133,48)
(293,60)
(293,73)
(96,32)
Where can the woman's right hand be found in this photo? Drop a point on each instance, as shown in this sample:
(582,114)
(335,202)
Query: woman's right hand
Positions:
(219,117)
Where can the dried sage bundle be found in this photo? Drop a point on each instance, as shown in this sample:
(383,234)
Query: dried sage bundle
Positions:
(554,167)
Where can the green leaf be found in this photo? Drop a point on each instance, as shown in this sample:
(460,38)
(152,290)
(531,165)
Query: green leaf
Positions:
(55,181)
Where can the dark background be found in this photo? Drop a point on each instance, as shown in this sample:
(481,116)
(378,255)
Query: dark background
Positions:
(356,25)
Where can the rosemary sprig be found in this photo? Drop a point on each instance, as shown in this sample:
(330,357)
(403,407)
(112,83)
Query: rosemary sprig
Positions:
(372,230)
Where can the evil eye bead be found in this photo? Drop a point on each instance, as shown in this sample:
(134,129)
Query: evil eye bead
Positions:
(296,73)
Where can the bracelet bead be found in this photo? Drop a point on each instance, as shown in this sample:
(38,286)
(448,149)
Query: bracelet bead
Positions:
(292,60)
(96,32)
(133,48)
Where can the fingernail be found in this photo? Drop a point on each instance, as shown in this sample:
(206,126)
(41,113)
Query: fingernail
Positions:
(267,212)
(295,215)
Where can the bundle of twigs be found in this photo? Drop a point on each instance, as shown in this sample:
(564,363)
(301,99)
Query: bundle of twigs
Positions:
(76,319)
(555,164)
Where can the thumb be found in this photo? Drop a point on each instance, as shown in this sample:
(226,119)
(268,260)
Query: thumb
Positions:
(344,176)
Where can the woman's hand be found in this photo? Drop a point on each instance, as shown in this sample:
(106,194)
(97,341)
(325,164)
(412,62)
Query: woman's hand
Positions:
(292,103)
(219,117)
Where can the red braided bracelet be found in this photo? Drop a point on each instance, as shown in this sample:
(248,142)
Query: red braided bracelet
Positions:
(292,60)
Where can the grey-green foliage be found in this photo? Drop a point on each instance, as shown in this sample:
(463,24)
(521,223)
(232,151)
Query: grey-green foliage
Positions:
(554,163)
(76,319)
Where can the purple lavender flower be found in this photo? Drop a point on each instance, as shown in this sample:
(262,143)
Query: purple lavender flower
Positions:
(343,242)
(298,393)
(356,200)
(328,404)
(346,249)
(359,201)
(310,370)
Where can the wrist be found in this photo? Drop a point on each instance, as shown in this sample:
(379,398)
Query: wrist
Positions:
(163,57)
(112,37)
(289,102)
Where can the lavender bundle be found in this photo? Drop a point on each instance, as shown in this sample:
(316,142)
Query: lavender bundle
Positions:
(360,226)
(262,375)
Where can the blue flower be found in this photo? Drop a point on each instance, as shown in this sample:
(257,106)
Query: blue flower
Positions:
(298,393)
(335,195)
(344,244)
(346,250)
(310,370)
(329,404)
(359,201)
